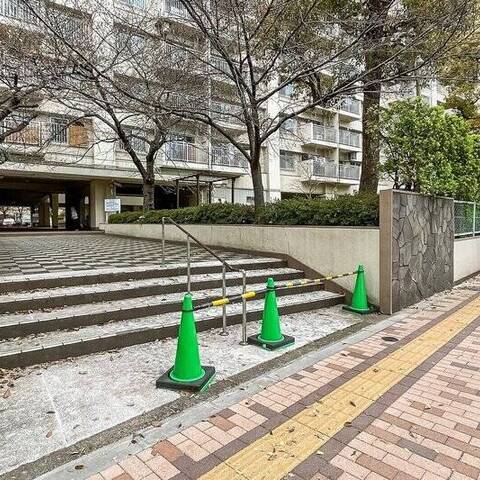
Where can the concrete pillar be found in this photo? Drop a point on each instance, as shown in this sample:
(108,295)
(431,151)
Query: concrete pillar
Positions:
(54,205)
(44,212)
(99,190)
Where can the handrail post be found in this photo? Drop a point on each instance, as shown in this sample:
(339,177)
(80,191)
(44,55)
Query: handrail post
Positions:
(244,309)
(189,276)
(224,307)
(163,240)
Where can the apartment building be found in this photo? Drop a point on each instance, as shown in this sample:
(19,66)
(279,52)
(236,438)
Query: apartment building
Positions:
(64,170)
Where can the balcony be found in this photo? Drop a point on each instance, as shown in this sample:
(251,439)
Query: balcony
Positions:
(17,10)
(220,64)
(349,172)
(51,132)
(175,9)
(228,156)
(228,114)
(349,138)
(350,105)
(141,4)
(315,133)
(321,168)
(185,152)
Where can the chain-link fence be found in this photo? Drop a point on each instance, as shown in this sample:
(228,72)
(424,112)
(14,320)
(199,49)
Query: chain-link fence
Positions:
(467,219)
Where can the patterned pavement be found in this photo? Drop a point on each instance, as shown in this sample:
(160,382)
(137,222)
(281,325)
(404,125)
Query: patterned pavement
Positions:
(40,254)
(402,404)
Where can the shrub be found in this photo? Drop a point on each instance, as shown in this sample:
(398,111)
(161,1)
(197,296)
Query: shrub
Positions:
(346,210)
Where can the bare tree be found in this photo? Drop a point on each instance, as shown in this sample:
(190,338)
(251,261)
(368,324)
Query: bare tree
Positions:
(127,72)
(21,88)
(326,51)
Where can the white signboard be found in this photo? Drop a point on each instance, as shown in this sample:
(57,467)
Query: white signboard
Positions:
(112,205)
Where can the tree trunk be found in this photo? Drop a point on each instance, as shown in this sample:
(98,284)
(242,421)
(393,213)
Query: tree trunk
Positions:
(148,195)
(258,194)
(149,185)
(371,134)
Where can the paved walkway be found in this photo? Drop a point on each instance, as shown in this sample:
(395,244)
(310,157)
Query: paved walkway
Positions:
(401,404)
(41,254)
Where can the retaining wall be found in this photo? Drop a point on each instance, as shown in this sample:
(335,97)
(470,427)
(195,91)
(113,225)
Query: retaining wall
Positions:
(326,250)
(466,257)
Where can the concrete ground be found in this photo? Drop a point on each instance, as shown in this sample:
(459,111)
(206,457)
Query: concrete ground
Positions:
(54,406)
(39,254)
(399,400)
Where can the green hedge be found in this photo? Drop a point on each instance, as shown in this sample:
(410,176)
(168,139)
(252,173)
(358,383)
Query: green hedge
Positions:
(346,210)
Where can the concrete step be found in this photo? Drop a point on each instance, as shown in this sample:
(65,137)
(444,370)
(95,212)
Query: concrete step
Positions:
(52,346)
(36,322)
(19,283)
(48,298)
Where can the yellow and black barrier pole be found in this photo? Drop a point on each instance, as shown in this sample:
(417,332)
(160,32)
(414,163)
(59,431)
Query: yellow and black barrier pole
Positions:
(248,295)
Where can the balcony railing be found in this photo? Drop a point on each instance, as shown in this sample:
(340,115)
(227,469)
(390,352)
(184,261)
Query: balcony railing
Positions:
(351,105)
(220,65)
(227,113)
(226,155)
(320,133)
(18,10)
(349,172)
(323,168)
(38,133)
(175,8)
(32,134)
(135,3)
(184,152)
(349,137)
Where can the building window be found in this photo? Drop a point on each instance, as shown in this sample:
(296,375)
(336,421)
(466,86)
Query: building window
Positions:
(129,42)
(289,126)
(134,3)
(72,27)
(58,130)
(287,90)
(287,160)
(137,140)
(348,157)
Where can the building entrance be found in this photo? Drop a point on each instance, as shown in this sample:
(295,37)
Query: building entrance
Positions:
(42,204)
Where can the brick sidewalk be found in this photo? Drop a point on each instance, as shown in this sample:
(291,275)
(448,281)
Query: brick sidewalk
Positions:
(408,408)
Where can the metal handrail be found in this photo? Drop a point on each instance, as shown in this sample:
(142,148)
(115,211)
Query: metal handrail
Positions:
(225,266)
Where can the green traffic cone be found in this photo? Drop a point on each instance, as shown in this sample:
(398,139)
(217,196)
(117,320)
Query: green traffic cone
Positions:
(359,297)
(187,372)
(270,336)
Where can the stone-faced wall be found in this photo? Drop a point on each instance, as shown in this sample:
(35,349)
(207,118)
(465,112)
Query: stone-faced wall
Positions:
(416,247)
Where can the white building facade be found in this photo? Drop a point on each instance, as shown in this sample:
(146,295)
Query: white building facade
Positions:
(316,154)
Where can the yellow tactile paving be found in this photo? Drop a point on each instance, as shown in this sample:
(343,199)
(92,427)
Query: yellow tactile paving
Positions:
(273,456)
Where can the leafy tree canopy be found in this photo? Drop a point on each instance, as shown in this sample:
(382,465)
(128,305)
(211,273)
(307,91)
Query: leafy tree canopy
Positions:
(430,151)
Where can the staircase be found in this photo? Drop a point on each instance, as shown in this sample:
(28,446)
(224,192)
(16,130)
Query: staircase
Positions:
(78,313)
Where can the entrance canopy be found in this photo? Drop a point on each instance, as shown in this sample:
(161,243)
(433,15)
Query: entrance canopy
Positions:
(204,178)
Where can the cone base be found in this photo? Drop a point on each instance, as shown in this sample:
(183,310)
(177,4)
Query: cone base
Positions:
(255,340)
(361,311)
(197,385)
